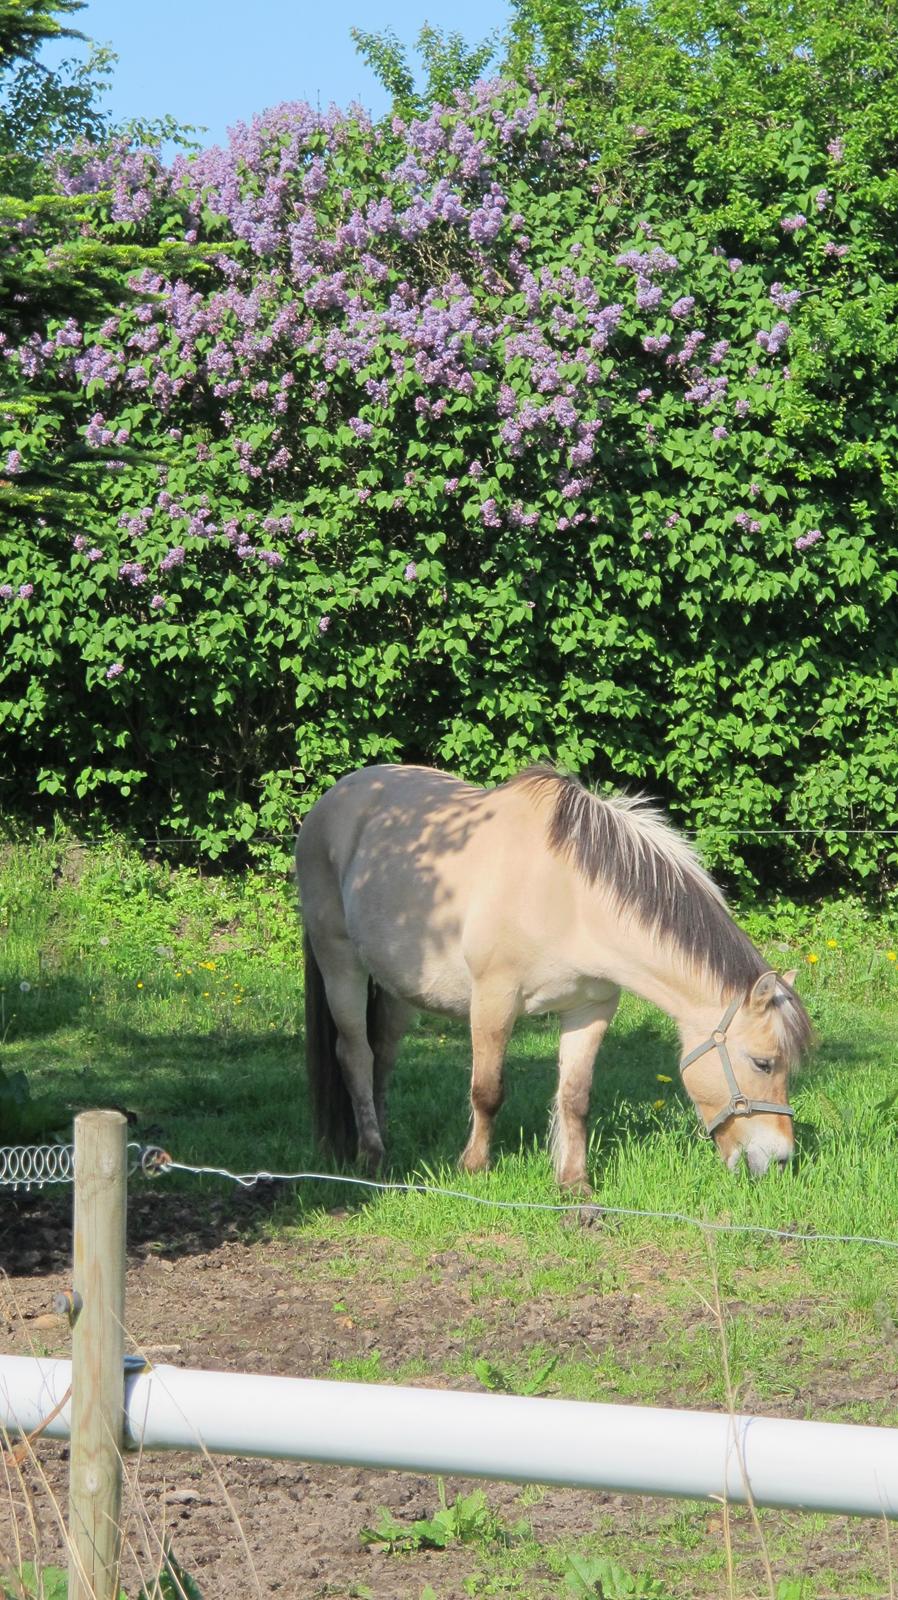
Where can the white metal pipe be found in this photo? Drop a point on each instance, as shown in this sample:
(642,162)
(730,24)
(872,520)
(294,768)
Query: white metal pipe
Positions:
(813,1466)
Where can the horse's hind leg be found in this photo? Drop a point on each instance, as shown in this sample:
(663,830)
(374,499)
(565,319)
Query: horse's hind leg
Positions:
(346,982)
(493,1012)
(388,1020)
(582,1032)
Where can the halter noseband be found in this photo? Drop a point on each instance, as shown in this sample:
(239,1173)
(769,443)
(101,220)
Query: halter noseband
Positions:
(739,1104)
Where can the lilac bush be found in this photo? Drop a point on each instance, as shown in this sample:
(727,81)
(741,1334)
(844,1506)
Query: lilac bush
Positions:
(440,452)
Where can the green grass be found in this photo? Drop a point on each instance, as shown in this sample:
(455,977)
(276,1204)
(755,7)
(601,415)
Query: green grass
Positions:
(178,997)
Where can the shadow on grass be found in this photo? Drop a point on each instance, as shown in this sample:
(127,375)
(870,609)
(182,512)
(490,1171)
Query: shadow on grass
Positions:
(236,1099)
(42,1008)
(833,1055)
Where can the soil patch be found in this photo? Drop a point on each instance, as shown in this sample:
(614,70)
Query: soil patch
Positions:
(203,1292)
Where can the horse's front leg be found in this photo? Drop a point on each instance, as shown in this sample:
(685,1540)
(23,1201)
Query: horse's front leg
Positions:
(494,1006)
(582,1032)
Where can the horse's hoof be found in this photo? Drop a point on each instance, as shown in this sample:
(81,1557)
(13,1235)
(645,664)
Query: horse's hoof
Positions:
(371,1162)
(582,1215)
(589,1217)
(471,1164)
(576,1189)
(585,1216)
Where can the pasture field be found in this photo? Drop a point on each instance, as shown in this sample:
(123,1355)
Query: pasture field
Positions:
(178,997)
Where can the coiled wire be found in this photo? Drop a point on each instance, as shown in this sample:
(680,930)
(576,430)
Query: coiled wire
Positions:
(31,1166)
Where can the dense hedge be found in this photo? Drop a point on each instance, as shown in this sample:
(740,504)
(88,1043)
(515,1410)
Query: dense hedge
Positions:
(449,451)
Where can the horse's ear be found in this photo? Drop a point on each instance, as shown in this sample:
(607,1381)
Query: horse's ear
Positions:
(764,992)
(790,976)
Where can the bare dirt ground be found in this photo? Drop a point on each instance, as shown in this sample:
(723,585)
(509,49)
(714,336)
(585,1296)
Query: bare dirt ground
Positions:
(203,1291)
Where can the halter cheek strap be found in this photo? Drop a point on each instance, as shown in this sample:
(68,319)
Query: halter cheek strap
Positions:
(738,1104)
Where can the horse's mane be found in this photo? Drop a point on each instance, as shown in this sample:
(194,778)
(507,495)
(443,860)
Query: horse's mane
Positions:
(625,844)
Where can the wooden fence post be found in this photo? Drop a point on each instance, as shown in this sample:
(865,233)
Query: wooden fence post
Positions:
(98,1342)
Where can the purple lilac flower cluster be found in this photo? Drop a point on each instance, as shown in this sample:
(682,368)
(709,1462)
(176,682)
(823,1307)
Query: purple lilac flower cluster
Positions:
(773,341)
(784,299)
(329,319)
(806,540)
(249,322)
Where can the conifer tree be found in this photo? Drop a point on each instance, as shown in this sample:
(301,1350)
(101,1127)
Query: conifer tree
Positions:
(55,272)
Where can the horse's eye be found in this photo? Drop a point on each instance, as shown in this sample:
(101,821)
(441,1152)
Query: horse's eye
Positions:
(763,1063)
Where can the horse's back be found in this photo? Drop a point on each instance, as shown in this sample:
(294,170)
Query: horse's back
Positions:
(415,867)
(399,806)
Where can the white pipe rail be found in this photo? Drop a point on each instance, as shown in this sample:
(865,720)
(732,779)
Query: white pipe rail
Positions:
(811,1466)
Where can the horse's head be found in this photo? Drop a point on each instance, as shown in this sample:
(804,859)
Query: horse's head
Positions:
(738,1076)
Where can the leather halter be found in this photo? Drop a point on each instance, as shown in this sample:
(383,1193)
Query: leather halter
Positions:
(738,1105)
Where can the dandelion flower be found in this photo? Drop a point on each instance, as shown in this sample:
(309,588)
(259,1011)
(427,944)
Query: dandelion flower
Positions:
(139,984)
(831,944)
(813,958)
(662,1077)
(891,955)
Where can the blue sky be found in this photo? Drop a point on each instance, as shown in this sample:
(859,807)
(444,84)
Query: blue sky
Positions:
(217,62)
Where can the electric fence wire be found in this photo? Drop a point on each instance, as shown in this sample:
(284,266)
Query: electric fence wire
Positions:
(27,1166)
(288,840)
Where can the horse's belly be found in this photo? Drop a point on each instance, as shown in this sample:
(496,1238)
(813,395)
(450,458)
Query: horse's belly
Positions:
(442,985)
(449,998)
(565,992)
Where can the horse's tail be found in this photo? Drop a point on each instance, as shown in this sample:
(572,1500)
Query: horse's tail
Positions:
(333,1118)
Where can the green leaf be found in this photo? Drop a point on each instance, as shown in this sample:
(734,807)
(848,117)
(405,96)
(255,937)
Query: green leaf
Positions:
(173,1582)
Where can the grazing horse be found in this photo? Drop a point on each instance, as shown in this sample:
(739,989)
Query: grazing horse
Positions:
(422,892)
